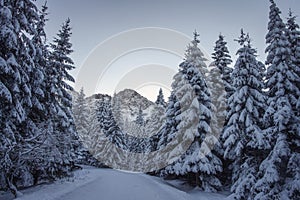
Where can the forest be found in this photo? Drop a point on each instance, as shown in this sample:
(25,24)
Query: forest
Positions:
(227,129)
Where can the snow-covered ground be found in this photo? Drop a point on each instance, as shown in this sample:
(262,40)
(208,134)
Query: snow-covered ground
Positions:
(95,184)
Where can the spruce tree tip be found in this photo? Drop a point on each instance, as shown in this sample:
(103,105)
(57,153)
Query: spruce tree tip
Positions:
(196,35)
(242,39)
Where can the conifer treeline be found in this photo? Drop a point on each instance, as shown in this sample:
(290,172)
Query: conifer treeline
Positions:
(37,140)
(257,149)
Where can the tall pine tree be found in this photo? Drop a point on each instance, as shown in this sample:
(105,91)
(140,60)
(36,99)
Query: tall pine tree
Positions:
(243,136)
(280,117)
(160,98)
(60,99)
(222,59)
(293,35)
(198,165)
(80,111)
(18,93)
(169,129)
(221,87)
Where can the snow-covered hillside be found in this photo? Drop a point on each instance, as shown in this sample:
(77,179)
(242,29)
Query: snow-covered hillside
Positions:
(130,107)
(108,184)
(131,101)
(127,105)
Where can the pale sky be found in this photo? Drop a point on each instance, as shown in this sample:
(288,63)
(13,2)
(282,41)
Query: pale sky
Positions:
(94,21)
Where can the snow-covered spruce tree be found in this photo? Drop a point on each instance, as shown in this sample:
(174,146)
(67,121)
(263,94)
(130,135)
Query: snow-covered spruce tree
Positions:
(221,70)
(37,74)
(243,136)
(80,112)
(93,128)
(60,100)
(197,166)
(108,125)
(278,174)
(160,99)
(218,98)
(293,35)
(95,132)
(219,107)
(20,128)
(39,156)
(293,170)
(222,59)
(81,118)
(155,122)
(189,112)
(169,128)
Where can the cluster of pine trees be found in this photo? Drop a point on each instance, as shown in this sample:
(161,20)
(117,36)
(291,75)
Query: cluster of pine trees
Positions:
(258,151)
(37,138)
(247,135)
(248,116)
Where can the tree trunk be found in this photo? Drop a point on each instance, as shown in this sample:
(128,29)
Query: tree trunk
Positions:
(13,189)
(197,179)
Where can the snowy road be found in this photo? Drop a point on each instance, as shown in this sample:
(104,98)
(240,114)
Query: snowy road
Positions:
(107,184)
(125,186)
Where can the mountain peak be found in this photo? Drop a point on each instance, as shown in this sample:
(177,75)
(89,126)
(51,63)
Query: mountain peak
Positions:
(131,98)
